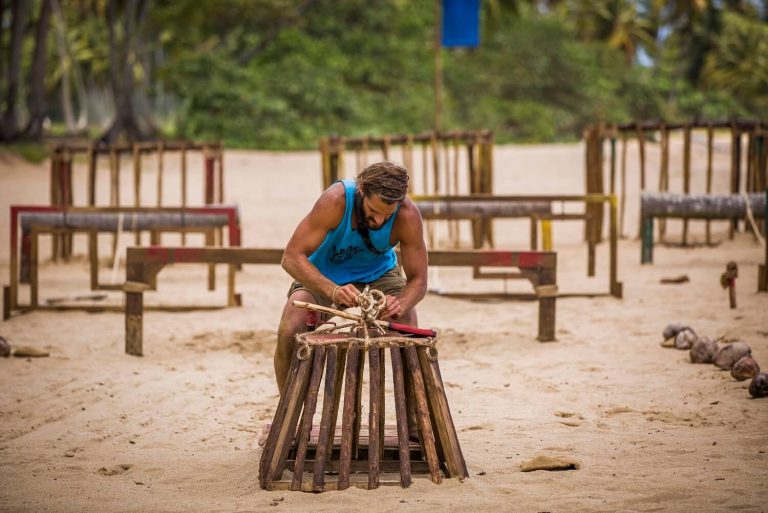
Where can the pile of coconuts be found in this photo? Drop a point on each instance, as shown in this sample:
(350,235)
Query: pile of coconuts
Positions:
(733,356)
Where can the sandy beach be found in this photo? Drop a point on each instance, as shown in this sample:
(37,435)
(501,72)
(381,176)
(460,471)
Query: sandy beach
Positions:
(90,428)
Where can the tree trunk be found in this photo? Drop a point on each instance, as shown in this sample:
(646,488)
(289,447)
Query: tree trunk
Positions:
(36,103)
(19,13)
(122,57)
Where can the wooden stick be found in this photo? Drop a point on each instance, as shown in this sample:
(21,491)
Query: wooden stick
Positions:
(348,416)
(422,412)
(402,418)
(310,404)
(325,422)
(374,412)
(403,328)
(341,359)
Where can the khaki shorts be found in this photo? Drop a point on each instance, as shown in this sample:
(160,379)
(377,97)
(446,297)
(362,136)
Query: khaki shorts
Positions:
(390,283)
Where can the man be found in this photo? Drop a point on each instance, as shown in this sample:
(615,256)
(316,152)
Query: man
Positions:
(345,243)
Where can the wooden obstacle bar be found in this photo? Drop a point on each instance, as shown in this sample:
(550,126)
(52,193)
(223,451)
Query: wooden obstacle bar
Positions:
(63,155)
(143,265)
(678,206)
(37,220)
(450,163)
(360,459)
(752,177)
(541,213)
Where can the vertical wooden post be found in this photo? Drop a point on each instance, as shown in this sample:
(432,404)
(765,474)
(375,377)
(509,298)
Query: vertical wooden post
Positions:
(310,404)
(546,235)
(318,482)
(664,174)
(348,416)
(616,287)
(646,236)
(283,429)
(374,413)
(403,441)
(220,159)
(137,185)
(710,147)
(33,267)
(210,241)
(6,302)
(160,164)
(55,191)
(184,185)
(67,198)
(358,404)
(546,291)
(686,174)
(209,183)
(93,257)
(341,359)
(91,156)
(735,170)
(422,413)
(623,183)
(446,431)
(134,309)
(438,43)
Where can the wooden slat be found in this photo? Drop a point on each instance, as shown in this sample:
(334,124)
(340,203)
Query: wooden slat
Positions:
(340,361)
(402,417)
(446,430)
(422,412)
(325,421)
(358,404)
(348,416)
(283,427)
(310,404)
(374,413)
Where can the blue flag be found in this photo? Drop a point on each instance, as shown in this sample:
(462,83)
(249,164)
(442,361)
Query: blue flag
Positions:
(461,23)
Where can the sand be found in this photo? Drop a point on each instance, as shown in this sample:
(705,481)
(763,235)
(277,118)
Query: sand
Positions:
(90,428)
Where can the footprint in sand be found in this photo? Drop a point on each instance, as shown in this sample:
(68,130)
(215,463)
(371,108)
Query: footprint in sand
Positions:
(573,419)
(479,428)
(122,468)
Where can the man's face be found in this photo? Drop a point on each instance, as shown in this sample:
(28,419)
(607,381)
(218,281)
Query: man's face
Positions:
(377,211)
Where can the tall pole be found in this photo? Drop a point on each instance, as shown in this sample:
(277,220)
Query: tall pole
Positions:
(438,65)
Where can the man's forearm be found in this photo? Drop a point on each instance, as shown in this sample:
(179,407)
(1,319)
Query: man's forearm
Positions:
(304,272)
(414,291)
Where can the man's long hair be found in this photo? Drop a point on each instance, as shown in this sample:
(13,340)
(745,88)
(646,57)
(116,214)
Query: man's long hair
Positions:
(387,179)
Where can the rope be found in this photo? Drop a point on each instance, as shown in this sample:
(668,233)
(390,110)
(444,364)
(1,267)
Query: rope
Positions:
(372,303)
(751,219)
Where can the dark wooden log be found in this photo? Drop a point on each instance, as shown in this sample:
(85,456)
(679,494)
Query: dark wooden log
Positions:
(340,361)
(348,419)
(401,414)
(374,413)
(283,427)
(686,175)
(310,404)
(325,421)
(358,404)
(446,430)
(422,412)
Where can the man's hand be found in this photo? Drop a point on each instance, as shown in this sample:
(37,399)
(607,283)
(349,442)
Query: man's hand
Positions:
(393,310)
(346,295)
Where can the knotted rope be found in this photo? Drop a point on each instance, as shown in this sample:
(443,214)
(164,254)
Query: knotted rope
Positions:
(371,302)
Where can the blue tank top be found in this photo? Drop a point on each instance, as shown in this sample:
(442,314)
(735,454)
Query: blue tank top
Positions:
(343,256)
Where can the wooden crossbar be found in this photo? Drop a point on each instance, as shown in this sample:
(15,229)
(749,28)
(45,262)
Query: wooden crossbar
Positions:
(144,263)
(15,249)
(591,201)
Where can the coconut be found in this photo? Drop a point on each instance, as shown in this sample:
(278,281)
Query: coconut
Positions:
(5,348)
(745,368)
(685,339)
(703,350)
(729,354)
(673,328)
(758,387)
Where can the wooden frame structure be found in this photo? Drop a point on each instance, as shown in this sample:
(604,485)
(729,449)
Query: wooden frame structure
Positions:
(752,178)
(63,155)
(710,207)
(450,163)
(762,271)
(419,395)
(143,265)
(30,245)
(544,220)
